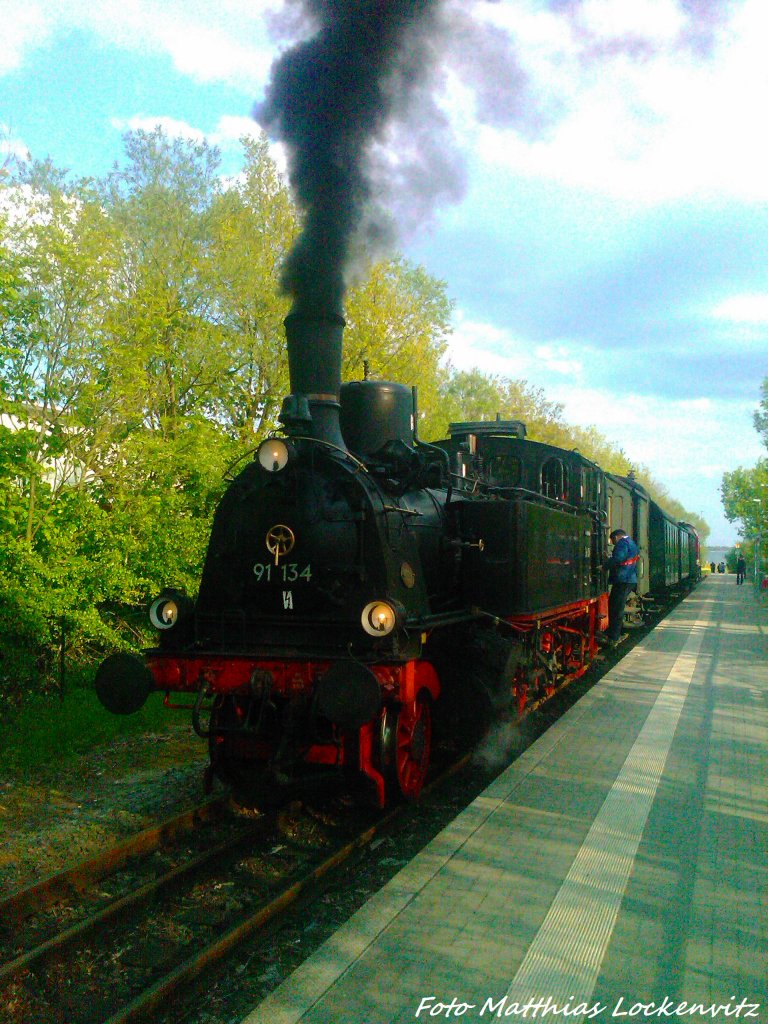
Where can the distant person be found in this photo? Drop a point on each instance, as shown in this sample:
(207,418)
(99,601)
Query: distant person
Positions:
(711,566)
(741,570)
(622,575)
(721,567)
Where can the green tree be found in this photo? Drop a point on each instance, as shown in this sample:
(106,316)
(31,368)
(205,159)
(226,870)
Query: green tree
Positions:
(398,322)
(165,356)
(474,395)
(110,357)
(761,415)
(745,491)
(745,497)
(62,247)
(254,228)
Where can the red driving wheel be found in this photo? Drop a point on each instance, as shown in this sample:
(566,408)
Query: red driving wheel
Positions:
(413,745)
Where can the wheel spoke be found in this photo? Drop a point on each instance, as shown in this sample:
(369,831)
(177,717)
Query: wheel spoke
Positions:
(413,745)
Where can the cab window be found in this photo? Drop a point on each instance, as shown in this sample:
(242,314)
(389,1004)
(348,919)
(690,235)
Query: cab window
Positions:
(554,480)
(505,470)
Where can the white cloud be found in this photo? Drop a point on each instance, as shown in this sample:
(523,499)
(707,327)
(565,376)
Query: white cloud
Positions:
(228,131)
(560,359)
(494,350)
(209,54)
(171,126)
(12,148)
(225,42)
(231,129)
(657,20)
(642,115)
(25,25)
(633,110)
(476,343)
(743,309)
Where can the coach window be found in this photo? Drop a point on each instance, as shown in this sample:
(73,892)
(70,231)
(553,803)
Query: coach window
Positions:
(554,480)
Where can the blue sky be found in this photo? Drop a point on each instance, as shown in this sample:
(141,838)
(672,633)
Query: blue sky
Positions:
(609,240)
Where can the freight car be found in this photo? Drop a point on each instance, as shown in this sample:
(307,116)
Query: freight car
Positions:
(362,587)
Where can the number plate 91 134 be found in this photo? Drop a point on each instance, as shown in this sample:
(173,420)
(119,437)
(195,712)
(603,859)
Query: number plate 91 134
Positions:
(289,572)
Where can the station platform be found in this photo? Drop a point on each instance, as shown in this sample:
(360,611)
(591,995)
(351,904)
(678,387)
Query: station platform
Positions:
(617,871)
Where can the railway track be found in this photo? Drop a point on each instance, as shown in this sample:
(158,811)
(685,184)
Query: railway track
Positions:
(113,940)
(60,928)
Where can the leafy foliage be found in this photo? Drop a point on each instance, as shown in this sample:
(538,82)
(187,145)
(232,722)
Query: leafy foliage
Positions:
(745,495)
(761,415)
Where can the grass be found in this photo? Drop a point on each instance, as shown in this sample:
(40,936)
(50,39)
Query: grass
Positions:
(48,731)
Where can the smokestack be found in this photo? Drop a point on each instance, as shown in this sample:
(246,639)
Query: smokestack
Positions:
(314,363)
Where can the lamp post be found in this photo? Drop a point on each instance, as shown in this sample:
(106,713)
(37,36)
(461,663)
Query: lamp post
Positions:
(758,538)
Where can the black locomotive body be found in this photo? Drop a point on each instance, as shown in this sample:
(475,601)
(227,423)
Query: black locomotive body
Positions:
(358,580)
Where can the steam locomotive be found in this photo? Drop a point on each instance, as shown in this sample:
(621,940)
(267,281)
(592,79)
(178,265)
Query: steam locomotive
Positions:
(363,588)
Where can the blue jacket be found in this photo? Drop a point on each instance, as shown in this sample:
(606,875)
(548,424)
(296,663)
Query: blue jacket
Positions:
(625,551)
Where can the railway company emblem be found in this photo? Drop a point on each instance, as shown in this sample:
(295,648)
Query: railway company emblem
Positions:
(280,540)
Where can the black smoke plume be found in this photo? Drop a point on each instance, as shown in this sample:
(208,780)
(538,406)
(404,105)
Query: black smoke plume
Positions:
(330,100)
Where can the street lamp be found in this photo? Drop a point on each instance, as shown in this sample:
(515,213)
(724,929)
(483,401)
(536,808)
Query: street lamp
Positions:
(758,538)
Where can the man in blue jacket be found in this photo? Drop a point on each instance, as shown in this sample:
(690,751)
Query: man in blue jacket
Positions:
(622,576)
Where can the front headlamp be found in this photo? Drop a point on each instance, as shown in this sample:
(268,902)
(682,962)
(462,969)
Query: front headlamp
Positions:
(168,609)
(379,618)
(164,613)
(273,454)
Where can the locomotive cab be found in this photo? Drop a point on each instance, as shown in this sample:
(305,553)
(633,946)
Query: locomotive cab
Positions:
(542,521)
